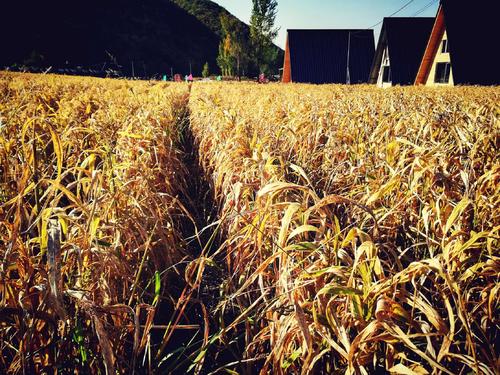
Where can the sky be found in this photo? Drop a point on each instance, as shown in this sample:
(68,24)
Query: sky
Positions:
(333,14)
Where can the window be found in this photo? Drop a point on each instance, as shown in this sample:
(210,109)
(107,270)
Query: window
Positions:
(442,73)
(445,46)
(386,74)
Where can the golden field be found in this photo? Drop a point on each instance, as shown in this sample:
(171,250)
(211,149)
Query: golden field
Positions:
(355,229)
(361,225)
(90,175)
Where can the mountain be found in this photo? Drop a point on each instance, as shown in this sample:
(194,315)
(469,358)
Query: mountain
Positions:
(152,35)
(209,14)
(139,37)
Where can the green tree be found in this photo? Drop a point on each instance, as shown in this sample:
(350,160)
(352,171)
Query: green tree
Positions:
(233,49)
(206,70)
(262,33)
(240,47)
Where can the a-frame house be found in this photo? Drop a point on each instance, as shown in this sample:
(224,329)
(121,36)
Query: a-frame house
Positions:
(463,45)
(400,48)
(328,56)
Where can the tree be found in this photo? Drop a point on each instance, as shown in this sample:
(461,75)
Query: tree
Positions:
(225,60)
(262,33)
(240,47)
(233,49)
(206,70)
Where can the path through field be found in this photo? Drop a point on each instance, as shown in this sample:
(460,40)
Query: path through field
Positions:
(203,237)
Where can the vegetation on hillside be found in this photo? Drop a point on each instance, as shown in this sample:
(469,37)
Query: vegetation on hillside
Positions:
(234,49)
(208,12)
(241,50)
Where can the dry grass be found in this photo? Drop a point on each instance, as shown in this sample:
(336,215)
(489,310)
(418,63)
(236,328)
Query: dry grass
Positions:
(90,172)
(361,224)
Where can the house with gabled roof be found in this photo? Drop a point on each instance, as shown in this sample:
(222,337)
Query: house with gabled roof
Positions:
(328,56)
(400,48)
(463,45)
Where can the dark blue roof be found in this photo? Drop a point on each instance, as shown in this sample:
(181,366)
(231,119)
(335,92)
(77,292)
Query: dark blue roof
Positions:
(321,56)
(406,39)
(472,29)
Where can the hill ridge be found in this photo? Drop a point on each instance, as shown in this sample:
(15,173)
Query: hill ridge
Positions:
(142,38)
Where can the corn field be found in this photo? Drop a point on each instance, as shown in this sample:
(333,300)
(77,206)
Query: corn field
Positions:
(361,225)
(90,174)
(349,229)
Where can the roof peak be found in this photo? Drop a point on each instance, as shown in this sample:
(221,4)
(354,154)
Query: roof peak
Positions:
(408,18)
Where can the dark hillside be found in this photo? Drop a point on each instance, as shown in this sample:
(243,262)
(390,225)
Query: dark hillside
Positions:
(152,35)
(140,37)
(205,11)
